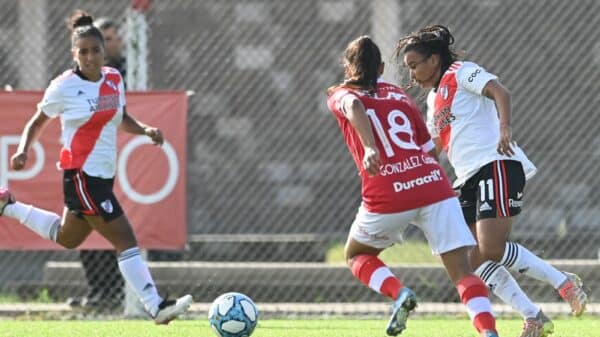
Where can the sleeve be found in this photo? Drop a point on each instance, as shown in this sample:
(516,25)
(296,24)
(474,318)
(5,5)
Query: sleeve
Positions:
(473,78)
(337,101)
(52,102)
(122,100)
(430,113)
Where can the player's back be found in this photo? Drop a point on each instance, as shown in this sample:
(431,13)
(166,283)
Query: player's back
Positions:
(409,178)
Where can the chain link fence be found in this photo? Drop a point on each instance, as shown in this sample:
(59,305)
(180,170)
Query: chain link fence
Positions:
(272,190)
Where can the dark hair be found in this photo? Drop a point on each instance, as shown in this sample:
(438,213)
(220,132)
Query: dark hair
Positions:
(434,39)
(362,60)
(82,26)
(103,23)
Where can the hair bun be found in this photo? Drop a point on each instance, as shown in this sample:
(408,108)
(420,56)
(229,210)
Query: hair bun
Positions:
(83,20)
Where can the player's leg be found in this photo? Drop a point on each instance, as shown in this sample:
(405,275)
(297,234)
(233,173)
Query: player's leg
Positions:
(448,236)
(68,231)
(369,235)
(502,191)
(40,221)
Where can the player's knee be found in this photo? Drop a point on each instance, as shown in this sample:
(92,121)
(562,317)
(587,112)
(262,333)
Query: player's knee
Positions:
(492,251)
(69,244)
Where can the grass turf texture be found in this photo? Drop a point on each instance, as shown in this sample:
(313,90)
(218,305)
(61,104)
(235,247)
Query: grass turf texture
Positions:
(407,252)
(418,327)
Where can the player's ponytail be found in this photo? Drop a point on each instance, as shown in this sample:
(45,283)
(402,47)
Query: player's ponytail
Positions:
(81,24)
(434,39)
(362,60)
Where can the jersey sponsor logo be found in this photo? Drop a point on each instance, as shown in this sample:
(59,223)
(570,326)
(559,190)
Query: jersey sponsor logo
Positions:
(433,176)
(104,103)
(485,207)
(515,203)
(519,195)
(107,206)
(473,75)
(443,118)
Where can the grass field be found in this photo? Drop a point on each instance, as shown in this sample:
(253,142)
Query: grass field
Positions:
(418,327)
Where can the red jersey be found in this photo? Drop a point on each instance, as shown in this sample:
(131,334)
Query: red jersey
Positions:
(409,177)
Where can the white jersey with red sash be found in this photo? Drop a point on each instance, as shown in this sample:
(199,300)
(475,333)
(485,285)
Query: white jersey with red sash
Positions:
(467,122)
(90,113)
(409,178)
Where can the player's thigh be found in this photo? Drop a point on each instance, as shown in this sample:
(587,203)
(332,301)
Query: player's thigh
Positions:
(354,248)
(444,226)
(379,230)
(117,231)
(73,230)
(457,263)
(492,234)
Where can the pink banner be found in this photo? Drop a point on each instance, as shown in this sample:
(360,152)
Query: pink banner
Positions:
(150,181)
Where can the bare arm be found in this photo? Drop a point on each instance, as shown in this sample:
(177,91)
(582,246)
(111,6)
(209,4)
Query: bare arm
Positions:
(132,125)
(495,91)
(356,114)
(30,134)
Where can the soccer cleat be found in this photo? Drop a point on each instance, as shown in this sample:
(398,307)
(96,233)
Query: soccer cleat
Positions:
(404,304)
(532,327)
(572,292)
(5,199)
(168,310)
(489,333)
(547,325)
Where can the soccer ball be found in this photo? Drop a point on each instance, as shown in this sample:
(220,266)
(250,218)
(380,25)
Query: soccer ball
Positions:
(233,315)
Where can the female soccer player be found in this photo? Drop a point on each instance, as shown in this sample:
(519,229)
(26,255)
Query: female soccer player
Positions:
(468,116)
(90,101)
(401,183)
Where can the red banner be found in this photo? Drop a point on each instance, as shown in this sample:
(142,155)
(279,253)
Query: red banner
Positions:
(150,181)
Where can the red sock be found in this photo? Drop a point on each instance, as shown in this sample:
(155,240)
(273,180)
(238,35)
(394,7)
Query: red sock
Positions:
(474,295)
(372,272)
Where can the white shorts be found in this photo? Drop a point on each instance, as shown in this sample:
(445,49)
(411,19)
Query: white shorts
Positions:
(443,224)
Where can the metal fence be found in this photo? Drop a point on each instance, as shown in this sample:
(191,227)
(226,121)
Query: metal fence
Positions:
(269,177)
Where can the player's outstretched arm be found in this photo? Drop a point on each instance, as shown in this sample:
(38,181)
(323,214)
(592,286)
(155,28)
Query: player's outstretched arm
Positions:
(30,134)
(131,125)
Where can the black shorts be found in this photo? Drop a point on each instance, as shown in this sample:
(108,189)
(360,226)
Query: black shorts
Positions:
(87,195)
(495,191)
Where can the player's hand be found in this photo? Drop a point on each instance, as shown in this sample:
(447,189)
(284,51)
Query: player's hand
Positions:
(154,134)
(506,142)
(18,160)
(371,161)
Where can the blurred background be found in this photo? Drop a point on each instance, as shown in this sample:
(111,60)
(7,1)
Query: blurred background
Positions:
(272,190)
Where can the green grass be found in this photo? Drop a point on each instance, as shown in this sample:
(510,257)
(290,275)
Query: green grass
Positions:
(407,252)
(418,327)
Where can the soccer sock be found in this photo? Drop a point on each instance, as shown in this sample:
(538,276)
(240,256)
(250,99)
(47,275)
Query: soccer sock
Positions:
(474,295)
(519,258)
(372,272)
(42,222)
(137,275)
(501,282)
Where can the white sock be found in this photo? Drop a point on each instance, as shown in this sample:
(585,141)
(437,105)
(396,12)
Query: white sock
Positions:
(136,273)
(502,283)
(519,258)
(44,223)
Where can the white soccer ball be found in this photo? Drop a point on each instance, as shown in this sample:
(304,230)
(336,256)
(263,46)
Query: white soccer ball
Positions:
(233,315)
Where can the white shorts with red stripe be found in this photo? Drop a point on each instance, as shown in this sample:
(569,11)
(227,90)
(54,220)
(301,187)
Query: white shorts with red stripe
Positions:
(441,222)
